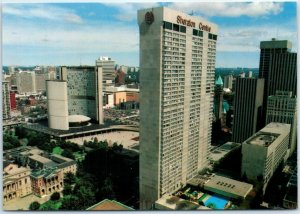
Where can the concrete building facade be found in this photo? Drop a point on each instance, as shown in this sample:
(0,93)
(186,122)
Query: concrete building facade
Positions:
(16,182)
(247,105)
(177,60)
(84,91)
(228,79)
(57,98)
(5,101)
(282,108)
(269,145)
(26,82)
(108,70)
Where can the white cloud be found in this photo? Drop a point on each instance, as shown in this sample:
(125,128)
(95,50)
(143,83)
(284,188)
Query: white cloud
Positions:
(229,9)
(83,39)
(43,11)
(128,11)
(248,38)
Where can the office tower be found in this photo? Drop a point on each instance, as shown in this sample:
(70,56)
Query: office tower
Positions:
(108,69)
(228,79)
(263,152)
(5,101)
(26,82)
(267,50)
(218,98)
(177,60)
(40,82)
(282,73)
(247,106)
(84,91)
(250,74)
(11,70)
(282,109)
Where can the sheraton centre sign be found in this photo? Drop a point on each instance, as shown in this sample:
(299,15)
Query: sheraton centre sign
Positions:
(190,23)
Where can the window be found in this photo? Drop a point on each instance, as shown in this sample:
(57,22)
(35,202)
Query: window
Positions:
(210,36)
(182,29)
(175,27)
(214,37)
(195,32)
(168,25)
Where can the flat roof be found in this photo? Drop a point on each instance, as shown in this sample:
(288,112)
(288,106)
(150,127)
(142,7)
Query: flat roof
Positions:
(170,202)
(223,150)
(228,185)
(43,160)
(263,139)
(78,118)
(107,204)
(269,134)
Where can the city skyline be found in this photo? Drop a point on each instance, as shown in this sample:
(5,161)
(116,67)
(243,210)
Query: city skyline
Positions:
(79,33)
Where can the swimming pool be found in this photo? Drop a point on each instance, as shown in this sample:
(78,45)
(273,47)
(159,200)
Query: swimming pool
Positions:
(215,202)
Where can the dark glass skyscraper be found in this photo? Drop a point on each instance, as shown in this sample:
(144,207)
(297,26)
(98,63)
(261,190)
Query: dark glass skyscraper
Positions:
(278,67)
(247,106)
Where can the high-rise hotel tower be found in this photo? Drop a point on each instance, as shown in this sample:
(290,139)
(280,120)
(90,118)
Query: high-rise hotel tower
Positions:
(177,62)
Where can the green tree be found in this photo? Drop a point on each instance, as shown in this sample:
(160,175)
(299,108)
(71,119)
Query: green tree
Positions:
(107,189)
(69,178)
(68,153)
(70,203)
(34,205)
(67,189)
(55,196)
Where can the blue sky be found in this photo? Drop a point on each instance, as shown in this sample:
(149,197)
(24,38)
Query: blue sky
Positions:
(79,33)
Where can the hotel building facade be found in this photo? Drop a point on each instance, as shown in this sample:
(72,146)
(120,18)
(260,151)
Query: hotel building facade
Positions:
(177,60)
(269,145)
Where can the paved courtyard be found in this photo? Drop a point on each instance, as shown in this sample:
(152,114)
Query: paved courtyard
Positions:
(23,203)
(126,138)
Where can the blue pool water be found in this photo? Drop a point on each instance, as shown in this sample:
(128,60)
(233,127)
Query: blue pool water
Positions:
(219,203)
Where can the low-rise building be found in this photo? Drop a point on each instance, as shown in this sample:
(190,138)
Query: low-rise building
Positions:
(16,182)
(120,95)
(47,181)
(228,187)
(264,151)
(290,198)
(107,205)
(47,170)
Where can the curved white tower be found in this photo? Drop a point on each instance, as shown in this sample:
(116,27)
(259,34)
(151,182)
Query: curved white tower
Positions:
(57,104)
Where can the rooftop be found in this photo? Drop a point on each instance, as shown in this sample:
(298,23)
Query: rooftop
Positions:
(107,204)
(223,150)
(227,186)
(263,139)
(269,134)
(78,118)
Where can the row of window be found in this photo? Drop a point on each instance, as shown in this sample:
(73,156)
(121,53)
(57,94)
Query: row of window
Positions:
(174,27)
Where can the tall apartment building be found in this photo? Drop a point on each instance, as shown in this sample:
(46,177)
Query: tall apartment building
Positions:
(78,92)
(108,70)
(177,60)
(277,66)
(263,152)
(26,82)
(228,79)
(247,108)
(5,100)
(282,108)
